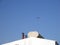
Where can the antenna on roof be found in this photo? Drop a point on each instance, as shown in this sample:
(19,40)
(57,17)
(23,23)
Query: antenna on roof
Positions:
(38,22)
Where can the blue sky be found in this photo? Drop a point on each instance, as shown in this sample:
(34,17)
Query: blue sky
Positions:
(17,16)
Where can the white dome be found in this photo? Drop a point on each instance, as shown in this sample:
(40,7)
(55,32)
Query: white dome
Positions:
(33,34)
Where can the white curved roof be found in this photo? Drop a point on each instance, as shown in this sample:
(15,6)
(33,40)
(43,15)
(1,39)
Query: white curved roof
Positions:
(32,41)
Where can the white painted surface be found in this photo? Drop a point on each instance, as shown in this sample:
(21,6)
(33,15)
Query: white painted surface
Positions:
(33,34)
(32,41)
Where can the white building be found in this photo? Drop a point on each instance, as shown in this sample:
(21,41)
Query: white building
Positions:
(32,40)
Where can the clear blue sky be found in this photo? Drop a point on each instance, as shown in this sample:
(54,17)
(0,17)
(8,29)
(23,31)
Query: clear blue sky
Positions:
(17,16)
